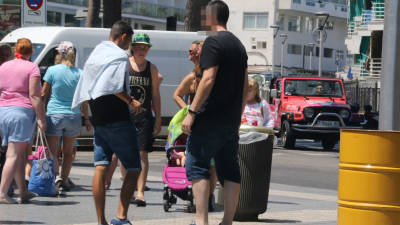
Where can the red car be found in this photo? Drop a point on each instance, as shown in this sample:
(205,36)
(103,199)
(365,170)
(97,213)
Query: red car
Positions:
(309,108)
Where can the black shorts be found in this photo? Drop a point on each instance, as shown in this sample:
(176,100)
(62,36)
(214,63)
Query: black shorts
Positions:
(144,123)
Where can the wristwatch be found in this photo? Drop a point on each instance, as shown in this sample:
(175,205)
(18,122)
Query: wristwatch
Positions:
(193,112)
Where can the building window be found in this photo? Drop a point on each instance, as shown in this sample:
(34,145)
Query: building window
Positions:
(136,26)
(308,50)
(329,25)
(71,21)
(296,1)
(340,55)
(281,22)
(317,51)
(261,44)
(328,53)
(310,2)
(53,18)
(294,23)
(294,49)
(255,20)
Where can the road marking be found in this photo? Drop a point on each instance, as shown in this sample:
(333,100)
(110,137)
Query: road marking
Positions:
(303,195)
(297,216)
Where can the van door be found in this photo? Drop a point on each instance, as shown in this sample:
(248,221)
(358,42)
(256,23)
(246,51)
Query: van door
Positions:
(47,61)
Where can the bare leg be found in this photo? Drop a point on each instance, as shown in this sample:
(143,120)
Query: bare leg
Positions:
(128,187)
(141,183)
(111,170)
(99,193)
(123,171)
(201,191)
(28,166)
(231,198)
(14,169)
(55,149)
(67,159)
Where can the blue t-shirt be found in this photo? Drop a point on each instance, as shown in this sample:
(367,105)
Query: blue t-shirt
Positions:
(63,80)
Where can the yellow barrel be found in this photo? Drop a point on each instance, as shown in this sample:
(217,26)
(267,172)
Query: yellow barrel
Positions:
(369,178)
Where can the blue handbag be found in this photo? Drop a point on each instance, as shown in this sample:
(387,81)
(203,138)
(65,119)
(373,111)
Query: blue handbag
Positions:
(42,180)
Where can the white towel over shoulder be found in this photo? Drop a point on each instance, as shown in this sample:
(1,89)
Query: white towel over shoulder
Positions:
(105,72)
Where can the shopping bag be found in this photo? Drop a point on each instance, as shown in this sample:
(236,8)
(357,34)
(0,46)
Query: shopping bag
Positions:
(175,127)
(42,180)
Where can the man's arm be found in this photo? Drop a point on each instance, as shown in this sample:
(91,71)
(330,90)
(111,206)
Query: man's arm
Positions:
(203,91)
(134,104)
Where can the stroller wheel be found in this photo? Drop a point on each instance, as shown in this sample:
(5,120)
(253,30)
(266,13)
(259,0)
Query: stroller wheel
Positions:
(166,206)
(173,199)
(189,207)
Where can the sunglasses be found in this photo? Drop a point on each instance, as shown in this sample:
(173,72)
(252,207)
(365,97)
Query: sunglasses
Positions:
(140,47)
(192,52)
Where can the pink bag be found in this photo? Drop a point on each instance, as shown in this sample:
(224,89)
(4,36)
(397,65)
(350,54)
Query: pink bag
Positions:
(40,150)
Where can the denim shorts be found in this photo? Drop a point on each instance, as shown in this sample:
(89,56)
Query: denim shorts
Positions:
(119,138)
(68,125)
(220,143)
(16,124)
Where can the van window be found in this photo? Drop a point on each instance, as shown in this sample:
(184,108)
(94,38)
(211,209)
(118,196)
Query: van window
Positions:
(37,49)
(48,60)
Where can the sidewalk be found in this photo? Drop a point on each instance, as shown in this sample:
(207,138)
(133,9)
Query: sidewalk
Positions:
(287,204)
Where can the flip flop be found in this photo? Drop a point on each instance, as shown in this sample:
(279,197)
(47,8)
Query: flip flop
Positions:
(139,203)
(27,198)
(10,201)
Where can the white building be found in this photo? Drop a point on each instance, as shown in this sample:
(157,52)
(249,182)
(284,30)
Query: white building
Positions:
(141,14)
(251,23)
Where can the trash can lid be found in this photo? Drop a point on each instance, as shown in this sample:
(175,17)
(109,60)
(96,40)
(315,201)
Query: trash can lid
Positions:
(266,130)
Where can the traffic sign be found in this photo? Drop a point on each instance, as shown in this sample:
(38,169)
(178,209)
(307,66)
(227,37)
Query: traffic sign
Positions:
(34,13)
(34,4)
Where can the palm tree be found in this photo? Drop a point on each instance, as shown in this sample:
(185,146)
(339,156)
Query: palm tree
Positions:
(195,12)
(93,19)
(111,12)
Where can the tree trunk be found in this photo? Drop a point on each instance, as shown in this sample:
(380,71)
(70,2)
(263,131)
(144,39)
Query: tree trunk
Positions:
(111,12)
(93,19)
(195,15)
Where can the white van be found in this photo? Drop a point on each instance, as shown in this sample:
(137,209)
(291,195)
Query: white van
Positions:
(169,53)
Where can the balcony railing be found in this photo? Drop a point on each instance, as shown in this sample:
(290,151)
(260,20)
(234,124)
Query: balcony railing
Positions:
(375,67)
(152,10)
(360,23)
(83,3)
(137,8)
(378,12)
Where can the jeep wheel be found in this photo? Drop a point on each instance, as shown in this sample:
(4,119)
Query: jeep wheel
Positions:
(329,143)
(287,135)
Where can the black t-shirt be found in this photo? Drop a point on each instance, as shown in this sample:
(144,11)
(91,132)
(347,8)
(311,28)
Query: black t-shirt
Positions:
(108,109)
(224,105)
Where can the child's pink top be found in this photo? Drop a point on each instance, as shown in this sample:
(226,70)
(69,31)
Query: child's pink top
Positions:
(14,82)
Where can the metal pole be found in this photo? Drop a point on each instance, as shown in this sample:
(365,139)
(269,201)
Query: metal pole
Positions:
(320,54)
(282,58)
(389,108)
(311,58)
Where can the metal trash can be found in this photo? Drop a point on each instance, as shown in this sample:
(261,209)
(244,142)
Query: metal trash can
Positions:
(369,178)
(255,169)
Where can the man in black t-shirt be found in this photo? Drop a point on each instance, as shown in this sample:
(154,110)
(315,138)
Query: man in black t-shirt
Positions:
(215,113)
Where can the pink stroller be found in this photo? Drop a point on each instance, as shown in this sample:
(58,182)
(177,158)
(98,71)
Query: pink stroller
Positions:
(175,181)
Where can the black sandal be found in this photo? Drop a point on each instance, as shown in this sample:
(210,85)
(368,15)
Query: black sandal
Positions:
(139,203)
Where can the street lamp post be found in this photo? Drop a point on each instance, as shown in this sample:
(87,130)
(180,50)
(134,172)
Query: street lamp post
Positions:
(276,30)
(284,36)
(321,30)
(311,53)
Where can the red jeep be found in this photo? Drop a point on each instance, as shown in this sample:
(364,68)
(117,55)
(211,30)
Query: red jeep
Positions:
(309,108)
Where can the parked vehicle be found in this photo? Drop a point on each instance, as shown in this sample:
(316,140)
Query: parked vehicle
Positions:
(310,108)
(169,53)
